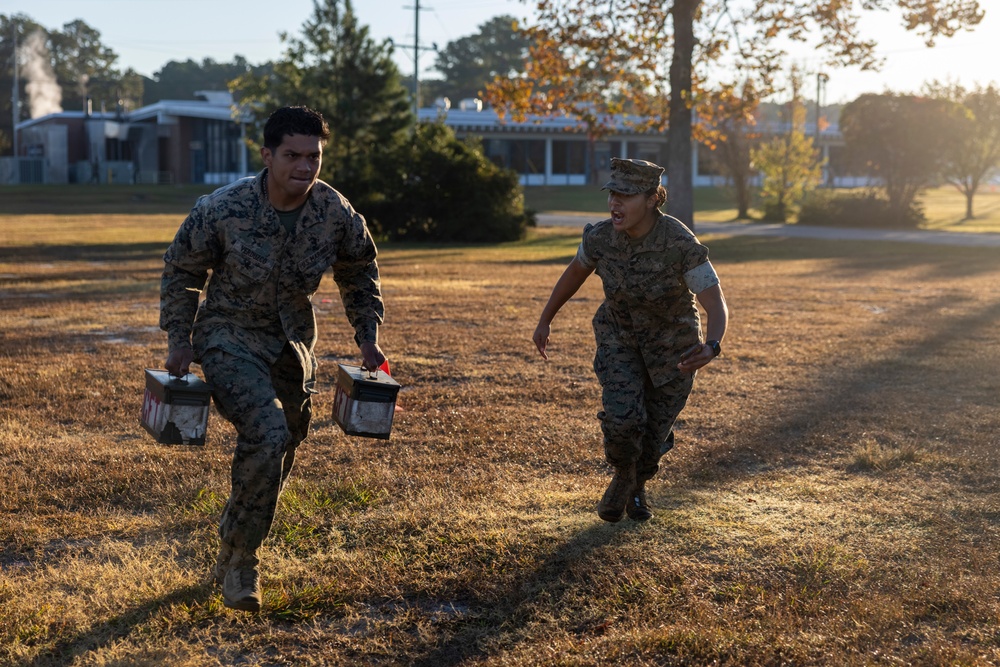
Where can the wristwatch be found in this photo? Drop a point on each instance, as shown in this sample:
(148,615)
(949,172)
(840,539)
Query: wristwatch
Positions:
(715,345)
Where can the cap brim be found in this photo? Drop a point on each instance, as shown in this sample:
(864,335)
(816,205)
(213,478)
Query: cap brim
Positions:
(621,188)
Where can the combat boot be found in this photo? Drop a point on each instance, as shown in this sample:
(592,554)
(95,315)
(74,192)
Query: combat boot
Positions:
(637,508)
(241,585)
(615,499)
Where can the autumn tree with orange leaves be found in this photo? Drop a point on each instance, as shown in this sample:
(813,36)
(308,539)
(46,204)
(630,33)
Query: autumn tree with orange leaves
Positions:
(658,59)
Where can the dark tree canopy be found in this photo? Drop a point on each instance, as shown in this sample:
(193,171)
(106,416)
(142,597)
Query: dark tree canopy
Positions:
(337,68)
(468,64)
(178,80)
(413,182)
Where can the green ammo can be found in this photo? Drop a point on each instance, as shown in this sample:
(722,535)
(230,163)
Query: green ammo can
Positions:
(175,409)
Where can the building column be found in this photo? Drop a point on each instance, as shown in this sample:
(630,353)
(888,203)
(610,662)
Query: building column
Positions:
(548,160)
(694,162)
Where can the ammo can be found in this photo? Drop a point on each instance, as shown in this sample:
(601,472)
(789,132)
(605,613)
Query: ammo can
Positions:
(365,401)
(175,409)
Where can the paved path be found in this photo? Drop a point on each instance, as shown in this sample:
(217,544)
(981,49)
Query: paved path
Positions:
(803,231)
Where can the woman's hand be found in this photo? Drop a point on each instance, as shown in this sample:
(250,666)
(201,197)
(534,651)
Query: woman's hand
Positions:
(541,338)
(696,357)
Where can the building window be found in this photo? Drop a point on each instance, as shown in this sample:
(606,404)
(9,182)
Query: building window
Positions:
(527,156)
(646,150)
(215,148)
(117,150)
(569,157)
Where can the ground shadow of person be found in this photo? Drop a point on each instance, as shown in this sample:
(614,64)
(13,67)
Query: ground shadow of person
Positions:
(95,637)
(555,577)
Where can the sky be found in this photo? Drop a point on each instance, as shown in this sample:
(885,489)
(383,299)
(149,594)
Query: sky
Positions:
(146,34)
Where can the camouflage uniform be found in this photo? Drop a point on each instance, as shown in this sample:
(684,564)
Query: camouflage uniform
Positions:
(648,319)
(255,332)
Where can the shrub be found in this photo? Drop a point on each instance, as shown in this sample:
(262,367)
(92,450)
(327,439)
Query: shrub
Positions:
(854,210)
(438,188)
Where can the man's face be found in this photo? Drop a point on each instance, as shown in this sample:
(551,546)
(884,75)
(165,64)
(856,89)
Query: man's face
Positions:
(293,167)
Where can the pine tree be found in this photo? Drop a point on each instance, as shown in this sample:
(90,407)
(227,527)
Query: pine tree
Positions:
(337,68)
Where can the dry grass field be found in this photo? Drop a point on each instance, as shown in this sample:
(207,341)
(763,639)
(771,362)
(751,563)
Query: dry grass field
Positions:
(834,498)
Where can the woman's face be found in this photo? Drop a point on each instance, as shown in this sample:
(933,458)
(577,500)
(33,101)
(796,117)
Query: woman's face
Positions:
(632,214)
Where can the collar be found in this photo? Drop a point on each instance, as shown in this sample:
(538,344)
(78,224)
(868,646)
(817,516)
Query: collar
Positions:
(306,218)
(655,240)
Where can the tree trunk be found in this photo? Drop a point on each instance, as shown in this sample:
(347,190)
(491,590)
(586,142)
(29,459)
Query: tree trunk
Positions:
(969,194)
(742,197)
(680,179)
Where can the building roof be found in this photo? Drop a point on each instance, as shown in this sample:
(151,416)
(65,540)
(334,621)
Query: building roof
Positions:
(489,120)
(216,106)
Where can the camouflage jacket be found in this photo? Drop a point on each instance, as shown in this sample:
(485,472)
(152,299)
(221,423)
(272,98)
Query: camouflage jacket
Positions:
(262,277)
(647,302)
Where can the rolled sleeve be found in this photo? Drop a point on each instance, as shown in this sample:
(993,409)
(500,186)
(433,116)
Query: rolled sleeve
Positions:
(701,277)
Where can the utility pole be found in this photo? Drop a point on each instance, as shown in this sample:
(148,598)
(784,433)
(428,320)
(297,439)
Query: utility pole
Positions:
(416,54)
(416,58)
(821,80)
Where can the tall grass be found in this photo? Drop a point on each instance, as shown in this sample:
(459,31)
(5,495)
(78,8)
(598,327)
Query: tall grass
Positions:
(832,499)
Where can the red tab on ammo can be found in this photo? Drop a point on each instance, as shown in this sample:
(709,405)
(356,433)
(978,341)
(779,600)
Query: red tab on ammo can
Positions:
(365,401)
(175,409)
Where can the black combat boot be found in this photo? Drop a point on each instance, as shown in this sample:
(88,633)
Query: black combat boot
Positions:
(615,499)
(637,508)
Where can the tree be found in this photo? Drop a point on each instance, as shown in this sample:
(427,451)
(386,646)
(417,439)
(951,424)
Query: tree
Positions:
(736,121)
(337,68)
(13,28)
(413,181)
(630,45)
(789,162)
(469,63)
(437,187)
(80,63)
(902,141)
(181,80)
(789,166)
(85,67)
(975,153)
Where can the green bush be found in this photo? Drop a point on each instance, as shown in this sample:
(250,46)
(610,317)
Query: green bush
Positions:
(438,188)
(825,208)
(775,211)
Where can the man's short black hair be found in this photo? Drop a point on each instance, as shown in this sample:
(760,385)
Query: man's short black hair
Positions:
(294,120)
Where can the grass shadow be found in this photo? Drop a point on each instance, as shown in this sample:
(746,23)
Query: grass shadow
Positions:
(72,649)
(544,585)
(103,252)
(861,394)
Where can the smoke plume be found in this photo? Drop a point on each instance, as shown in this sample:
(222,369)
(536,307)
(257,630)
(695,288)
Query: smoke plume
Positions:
(44,94)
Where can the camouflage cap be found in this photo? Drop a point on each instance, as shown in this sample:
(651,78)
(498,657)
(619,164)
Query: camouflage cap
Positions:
(630,177)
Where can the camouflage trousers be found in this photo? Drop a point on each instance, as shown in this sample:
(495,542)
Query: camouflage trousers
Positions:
(637,418)
(270,411)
